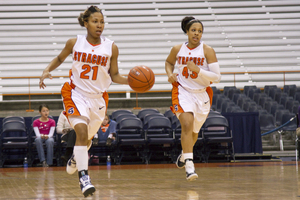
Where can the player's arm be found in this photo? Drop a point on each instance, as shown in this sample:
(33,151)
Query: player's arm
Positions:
(214,74)
(114,70)
(67,50)
(170,63)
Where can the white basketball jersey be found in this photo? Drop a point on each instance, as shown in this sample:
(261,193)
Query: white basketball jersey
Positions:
(91,64)
(186,78)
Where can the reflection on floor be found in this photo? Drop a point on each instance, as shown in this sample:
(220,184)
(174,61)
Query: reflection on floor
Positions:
(242,180)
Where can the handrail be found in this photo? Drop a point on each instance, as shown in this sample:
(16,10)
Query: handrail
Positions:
(157,74)
(161,74)
(286,123)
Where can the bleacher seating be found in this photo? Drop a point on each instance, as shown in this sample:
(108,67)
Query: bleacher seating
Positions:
(248,36)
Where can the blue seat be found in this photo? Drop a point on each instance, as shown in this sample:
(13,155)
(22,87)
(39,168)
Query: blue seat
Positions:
(141,114)
(115,113)
(248,87)
(14,142)
(130,140)
(292,126)
(160,138)
(215,130)
(266,122)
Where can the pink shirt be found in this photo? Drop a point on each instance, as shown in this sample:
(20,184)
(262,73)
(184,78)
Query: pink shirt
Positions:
(44,127)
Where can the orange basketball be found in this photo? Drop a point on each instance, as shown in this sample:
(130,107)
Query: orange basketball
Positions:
(141,78)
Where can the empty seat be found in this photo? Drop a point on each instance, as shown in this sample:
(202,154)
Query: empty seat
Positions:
(160,139)
(225,105)
(297,96)
(227,88)
(215,130)
(13,118)
(14,141)
(255,108)
(247,105)
(236,97)
(278,116)
(125,115)
(273,91)
(267,122)
(276,107)
(252,91)
(289,104)
(283,100)
(262,101)
(220,101)
(268,105)
(233,91)
(248,87)
(257,96)
(131,140)
(292,125)
(149,116)
(234,109)
(268,87)
(141,114)
(279,95)
(115,113)
(216,90)
(241,101)
(286,88)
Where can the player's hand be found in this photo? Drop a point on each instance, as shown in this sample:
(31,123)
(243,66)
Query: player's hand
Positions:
(172,78)
(46,74)
(192,67)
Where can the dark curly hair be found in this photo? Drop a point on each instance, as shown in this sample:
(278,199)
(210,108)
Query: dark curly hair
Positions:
(83,17)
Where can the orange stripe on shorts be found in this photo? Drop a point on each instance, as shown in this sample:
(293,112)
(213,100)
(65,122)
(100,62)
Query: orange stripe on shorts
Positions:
(176,108)
(70,107)
(210,93)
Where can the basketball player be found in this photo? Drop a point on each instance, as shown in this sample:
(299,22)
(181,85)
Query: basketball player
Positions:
(197,67)
(94,68)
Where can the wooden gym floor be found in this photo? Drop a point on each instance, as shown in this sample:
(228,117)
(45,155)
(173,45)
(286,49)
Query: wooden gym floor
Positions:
(248,180)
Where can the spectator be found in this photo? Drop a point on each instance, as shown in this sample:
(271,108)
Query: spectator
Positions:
(107,131)
(44,128)
(69,136)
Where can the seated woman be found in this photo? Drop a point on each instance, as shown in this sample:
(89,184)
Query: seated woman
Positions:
(44,128)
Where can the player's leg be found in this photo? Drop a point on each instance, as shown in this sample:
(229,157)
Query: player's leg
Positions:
(187,143)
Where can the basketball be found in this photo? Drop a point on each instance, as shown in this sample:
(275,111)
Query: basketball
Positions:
(141,78)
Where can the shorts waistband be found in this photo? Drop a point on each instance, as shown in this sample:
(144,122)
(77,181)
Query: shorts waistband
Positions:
(195,91)
(86,94)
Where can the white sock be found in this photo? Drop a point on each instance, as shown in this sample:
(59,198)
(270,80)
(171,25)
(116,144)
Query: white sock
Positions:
(188,156)
(82,158)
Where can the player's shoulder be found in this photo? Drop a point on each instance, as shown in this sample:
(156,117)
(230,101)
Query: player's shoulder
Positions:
(207,47)
(71,42)
(208,50)
(176,48)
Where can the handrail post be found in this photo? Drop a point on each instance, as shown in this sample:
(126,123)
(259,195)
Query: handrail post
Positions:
(137,104)
(29,110)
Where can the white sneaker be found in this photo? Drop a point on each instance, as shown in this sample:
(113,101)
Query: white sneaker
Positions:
(86,186)
(71,165)
(190,170)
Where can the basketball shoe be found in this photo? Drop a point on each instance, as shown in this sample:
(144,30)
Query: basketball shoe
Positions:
(71,165)
(180,164)
(190,170)
(86,186)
